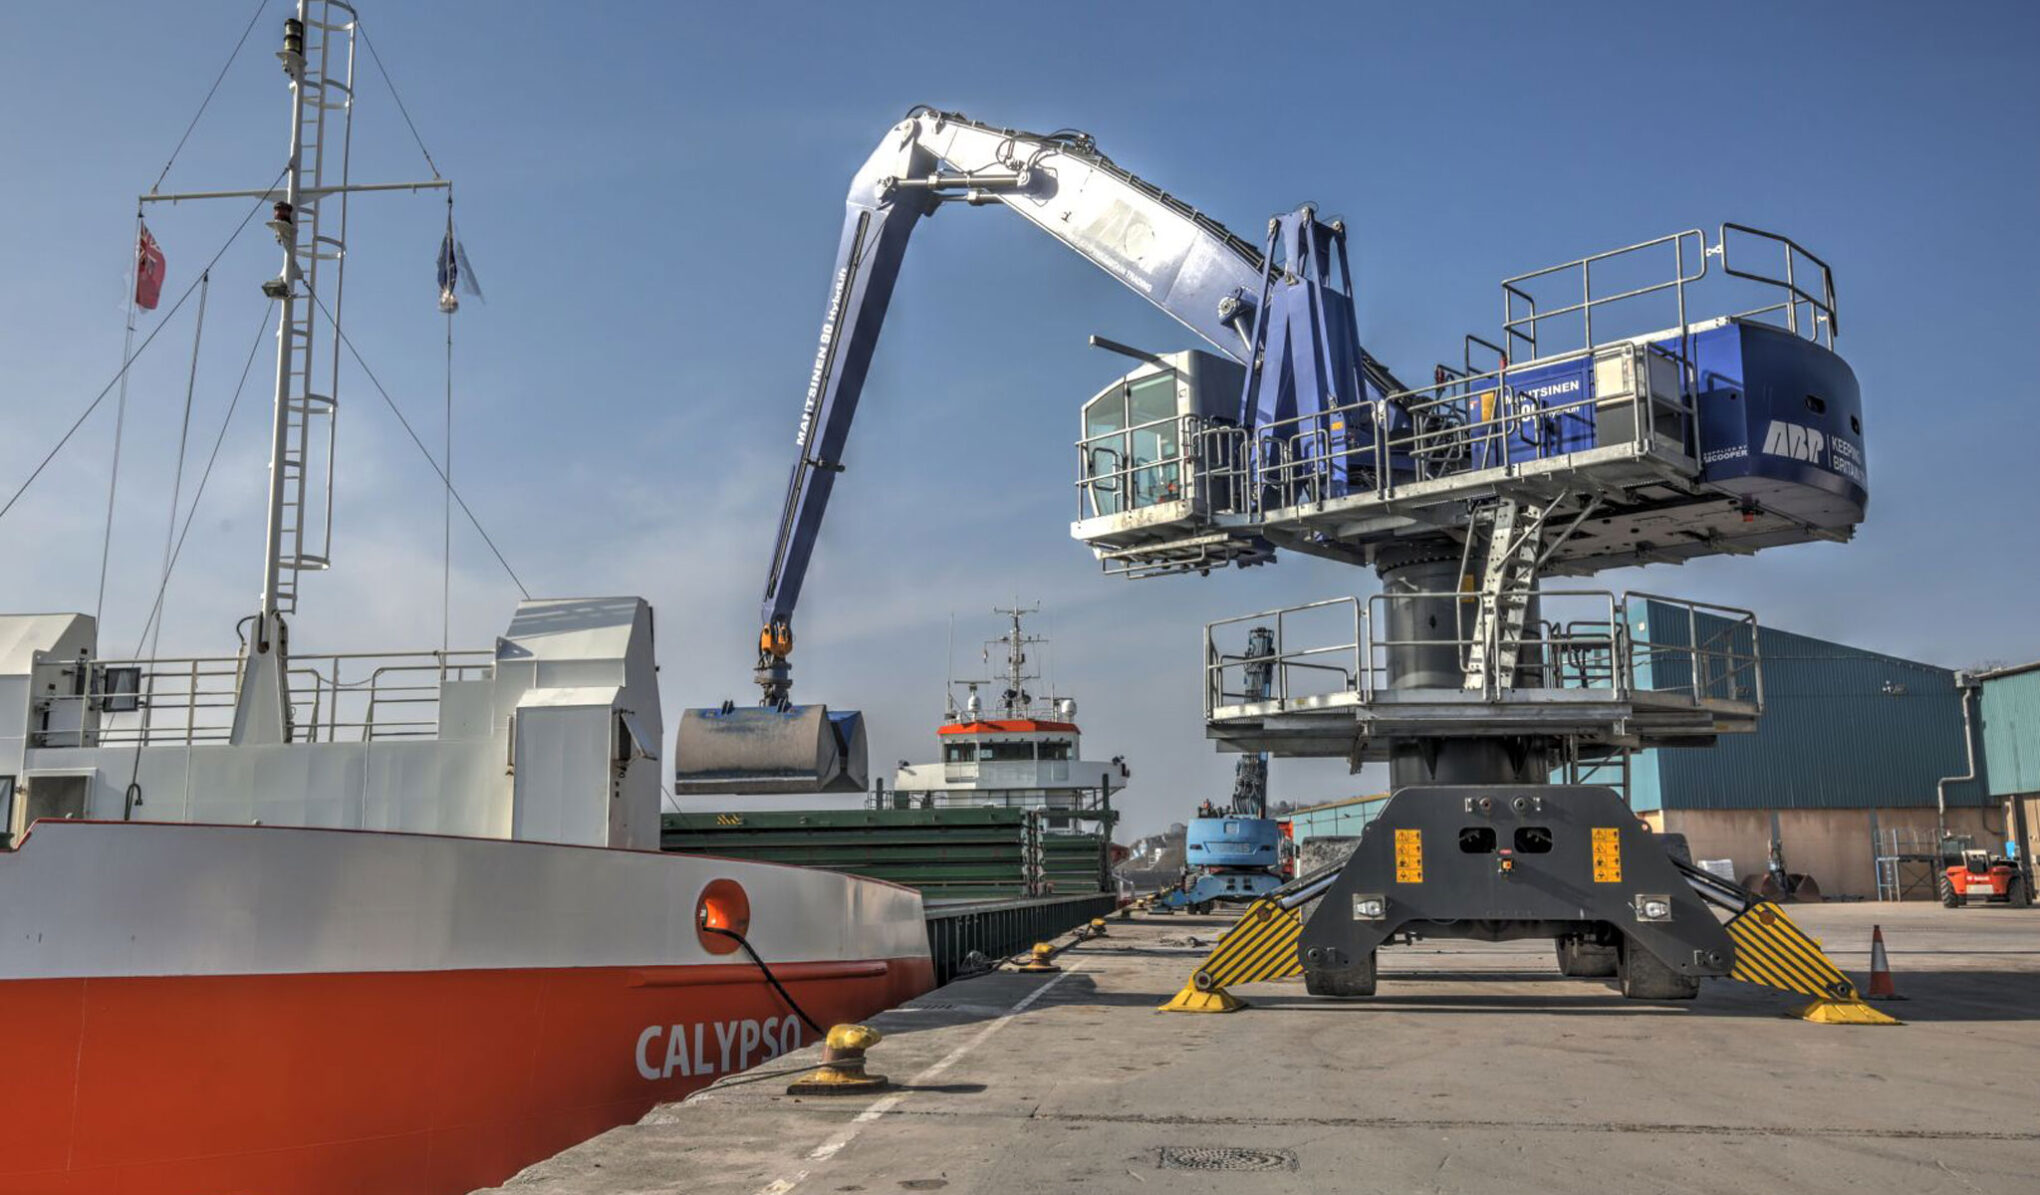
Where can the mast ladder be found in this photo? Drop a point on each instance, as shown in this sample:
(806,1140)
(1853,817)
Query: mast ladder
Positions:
(317,241)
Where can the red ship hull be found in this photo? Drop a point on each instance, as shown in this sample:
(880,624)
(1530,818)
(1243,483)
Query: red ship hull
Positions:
(220,1010)
(425,1082)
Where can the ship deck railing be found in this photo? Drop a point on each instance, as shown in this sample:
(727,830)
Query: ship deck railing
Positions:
(334,697)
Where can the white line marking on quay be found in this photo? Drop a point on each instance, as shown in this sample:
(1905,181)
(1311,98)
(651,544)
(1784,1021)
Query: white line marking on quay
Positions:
(879,1107)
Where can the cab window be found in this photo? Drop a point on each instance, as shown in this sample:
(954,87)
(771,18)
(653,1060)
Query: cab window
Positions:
(1151,411)
(1105,452)
(1132,445)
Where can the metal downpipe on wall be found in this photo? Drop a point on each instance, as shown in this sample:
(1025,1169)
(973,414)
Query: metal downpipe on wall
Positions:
(1964,686)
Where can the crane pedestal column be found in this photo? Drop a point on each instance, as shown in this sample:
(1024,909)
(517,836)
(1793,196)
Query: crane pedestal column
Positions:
(1475,842)
(1427,629)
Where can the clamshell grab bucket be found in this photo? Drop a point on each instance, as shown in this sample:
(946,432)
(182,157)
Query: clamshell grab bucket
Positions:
(760,751)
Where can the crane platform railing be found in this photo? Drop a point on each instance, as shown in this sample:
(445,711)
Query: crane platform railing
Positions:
(1177,458)
(1297,676)
(1706,651)
(1647,286)
(1469,429)
(1586,645)
(335,697)
(1527,328)
(1464,431)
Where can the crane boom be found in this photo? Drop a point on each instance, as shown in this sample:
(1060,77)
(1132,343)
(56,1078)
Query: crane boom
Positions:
(1274,305)
(1164,250)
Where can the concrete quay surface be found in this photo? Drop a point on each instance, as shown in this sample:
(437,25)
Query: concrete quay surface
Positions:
(1477,1069)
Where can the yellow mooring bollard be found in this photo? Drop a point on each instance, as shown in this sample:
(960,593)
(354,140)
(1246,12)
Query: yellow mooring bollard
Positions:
(842,1071)
(1042,960)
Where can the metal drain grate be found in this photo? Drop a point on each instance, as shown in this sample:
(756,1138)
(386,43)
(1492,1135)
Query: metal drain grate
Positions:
(976,1010)
(1223,1157)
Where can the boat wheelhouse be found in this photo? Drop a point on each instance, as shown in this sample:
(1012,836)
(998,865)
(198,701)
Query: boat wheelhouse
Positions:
(1024,753)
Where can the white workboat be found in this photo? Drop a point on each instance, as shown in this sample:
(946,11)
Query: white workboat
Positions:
(1023,751)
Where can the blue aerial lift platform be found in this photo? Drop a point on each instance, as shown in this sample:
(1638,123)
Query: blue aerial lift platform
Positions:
(1234,855)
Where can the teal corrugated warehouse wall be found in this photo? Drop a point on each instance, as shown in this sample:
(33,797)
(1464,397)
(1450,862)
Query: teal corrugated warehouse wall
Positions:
(2011,729)
(1843,728)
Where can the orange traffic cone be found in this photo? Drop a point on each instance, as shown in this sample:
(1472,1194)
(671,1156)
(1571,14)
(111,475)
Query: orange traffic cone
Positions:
(1880,968)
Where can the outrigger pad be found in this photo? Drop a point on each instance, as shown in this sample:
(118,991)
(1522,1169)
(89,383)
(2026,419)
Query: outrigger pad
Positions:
(1844,1012)
(759,750)
(1192,1000)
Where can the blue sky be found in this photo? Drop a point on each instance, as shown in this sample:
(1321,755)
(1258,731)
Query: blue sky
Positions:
(651,194)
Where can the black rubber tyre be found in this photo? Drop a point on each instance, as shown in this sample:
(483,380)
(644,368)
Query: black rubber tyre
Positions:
(1644,976)
(1346,983)
(1201,908)
(1581,959)
(1949,897)
(2016,894)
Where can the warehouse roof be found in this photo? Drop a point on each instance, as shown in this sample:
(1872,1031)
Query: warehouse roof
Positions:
(2008,670)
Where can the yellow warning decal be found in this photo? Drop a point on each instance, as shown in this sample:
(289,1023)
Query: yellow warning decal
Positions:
(1409,856)
(1260,946)
(1607,855)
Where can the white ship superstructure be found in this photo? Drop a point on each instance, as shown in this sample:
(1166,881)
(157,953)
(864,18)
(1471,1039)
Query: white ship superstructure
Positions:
(1025,752)
(552,736)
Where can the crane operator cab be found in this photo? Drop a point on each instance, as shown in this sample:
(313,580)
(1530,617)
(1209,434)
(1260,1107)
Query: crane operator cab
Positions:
(1162,463)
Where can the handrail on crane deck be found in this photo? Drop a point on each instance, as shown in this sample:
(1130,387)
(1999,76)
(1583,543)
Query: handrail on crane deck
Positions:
(1706,654)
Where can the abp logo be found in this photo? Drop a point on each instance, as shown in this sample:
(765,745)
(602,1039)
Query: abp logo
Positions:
(1799,443)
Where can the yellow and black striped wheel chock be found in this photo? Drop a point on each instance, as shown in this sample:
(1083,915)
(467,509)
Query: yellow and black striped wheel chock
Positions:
(1772,951)
(1260,946)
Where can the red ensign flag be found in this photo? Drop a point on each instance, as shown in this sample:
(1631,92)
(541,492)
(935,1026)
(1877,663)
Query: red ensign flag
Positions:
(148,271)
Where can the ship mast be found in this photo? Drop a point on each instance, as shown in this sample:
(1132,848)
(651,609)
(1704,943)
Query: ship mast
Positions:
(318,59)
(1015,700)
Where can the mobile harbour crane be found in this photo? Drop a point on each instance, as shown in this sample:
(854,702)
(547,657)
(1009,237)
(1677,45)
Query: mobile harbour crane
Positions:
(1555,454)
